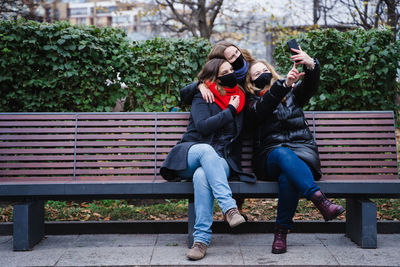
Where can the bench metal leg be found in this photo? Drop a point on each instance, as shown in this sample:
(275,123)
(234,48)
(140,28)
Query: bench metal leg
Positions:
(28,226)
(361,222)
(191,221)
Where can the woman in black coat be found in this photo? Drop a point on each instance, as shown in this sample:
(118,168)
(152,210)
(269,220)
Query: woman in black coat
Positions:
(209,151)
(284,148)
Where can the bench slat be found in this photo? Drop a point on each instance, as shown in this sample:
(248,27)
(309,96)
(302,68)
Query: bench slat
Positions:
(112,136)
(38,137)
(352,156)
(354,135)
(355,129)
(31,172)
(38,130)
(36,123)
(116,123)
(359,163)
(38,151)
(362,177)
(354,122)
(358,170)
(357,149)
(97,130)
(37,179)
(15,117)
(137,179)
(114,150)
(86,164)
(36,158)
(38,165)
(356,142)
(116,171)
(352,115)
(36,144)
(119,116)
(116,157)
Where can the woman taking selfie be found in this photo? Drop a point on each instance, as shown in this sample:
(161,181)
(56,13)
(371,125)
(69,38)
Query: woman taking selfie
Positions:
(209,151)
(284,148)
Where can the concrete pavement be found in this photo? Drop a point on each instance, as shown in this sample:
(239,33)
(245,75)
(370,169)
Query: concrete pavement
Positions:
(226,249)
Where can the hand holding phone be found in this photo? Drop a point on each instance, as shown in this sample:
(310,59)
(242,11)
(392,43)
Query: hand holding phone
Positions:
(293,44)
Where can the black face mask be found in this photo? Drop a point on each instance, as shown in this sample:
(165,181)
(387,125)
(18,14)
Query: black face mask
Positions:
(263,80)
(228,80)
(238,63)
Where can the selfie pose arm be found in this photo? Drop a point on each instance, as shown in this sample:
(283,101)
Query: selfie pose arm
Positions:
(309,86)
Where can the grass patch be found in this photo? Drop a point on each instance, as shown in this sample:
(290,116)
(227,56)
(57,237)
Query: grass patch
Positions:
(176,209)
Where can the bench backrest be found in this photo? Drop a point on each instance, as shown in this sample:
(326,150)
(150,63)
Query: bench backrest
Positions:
(60,147)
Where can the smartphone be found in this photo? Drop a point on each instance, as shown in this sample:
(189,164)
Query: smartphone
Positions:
(293,44)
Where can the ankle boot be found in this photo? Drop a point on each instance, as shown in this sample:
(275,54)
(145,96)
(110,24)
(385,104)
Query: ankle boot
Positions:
(328,210)
(279,245)
(234,218)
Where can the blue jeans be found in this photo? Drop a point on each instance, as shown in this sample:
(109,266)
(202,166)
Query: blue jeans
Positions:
(295,180)
(210,175)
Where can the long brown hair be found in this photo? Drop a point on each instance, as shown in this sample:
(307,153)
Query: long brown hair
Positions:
(218,49)
(249,84)
(210,73)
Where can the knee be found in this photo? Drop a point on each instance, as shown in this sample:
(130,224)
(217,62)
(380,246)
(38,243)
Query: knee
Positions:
(282,153)
(206,151)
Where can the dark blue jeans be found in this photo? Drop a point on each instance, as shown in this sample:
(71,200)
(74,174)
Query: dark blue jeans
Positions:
(295,180)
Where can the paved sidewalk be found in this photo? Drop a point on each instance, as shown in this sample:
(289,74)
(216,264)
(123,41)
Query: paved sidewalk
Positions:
(226,249)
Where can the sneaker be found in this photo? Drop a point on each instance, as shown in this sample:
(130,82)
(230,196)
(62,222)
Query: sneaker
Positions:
(234,218)
(197,252)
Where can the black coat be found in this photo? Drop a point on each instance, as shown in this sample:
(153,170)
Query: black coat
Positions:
(278,123)
(208,124)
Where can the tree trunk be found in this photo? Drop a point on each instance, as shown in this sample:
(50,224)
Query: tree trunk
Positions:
(202,19)
(316,12)
(393,17)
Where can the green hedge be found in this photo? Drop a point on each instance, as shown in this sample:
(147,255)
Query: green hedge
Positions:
(59,67)
(358,68)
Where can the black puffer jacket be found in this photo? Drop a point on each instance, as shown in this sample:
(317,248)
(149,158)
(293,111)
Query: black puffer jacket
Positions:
(278,123)
(208,124)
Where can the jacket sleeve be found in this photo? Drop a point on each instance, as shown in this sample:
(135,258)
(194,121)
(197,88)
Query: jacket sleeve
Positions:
(204,121)
(188,92)
(309,86)
(262,107)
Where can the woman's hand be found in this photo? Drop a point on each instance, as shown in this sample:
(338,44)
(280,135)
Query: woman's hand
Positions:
(293,75)
(303,58)
(234,101)
(206,93)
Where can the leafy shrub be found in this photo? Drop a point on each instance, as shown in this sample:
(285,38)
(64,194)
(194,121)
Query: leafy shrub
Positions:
(358,68)
(59,67)
(159,68)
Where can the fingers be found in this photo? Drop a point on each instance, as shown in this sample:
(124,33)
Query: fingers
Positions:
(235,100)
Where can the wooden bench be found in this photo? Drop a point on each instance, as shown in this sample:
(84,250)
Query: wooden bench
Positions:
(118,155)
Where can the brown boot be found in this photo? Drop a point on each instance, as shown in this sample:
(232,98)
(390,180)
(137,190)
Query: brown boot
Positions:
(279,244)
(197,252)
(328,210)
(234,218)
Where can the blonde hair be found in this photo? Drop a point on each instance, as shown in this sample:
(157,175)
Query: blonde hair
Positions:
(218,49)
(249,84)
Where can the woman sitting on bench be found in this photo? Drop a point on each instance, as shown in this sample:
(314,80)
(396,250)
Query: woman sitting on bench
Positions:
(209,151)
(284,148)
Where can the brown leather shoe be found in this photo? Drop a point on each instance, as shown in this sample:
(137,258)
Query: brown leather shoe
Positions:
(279,244)
(328,210)
(197,252)
(234,218)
